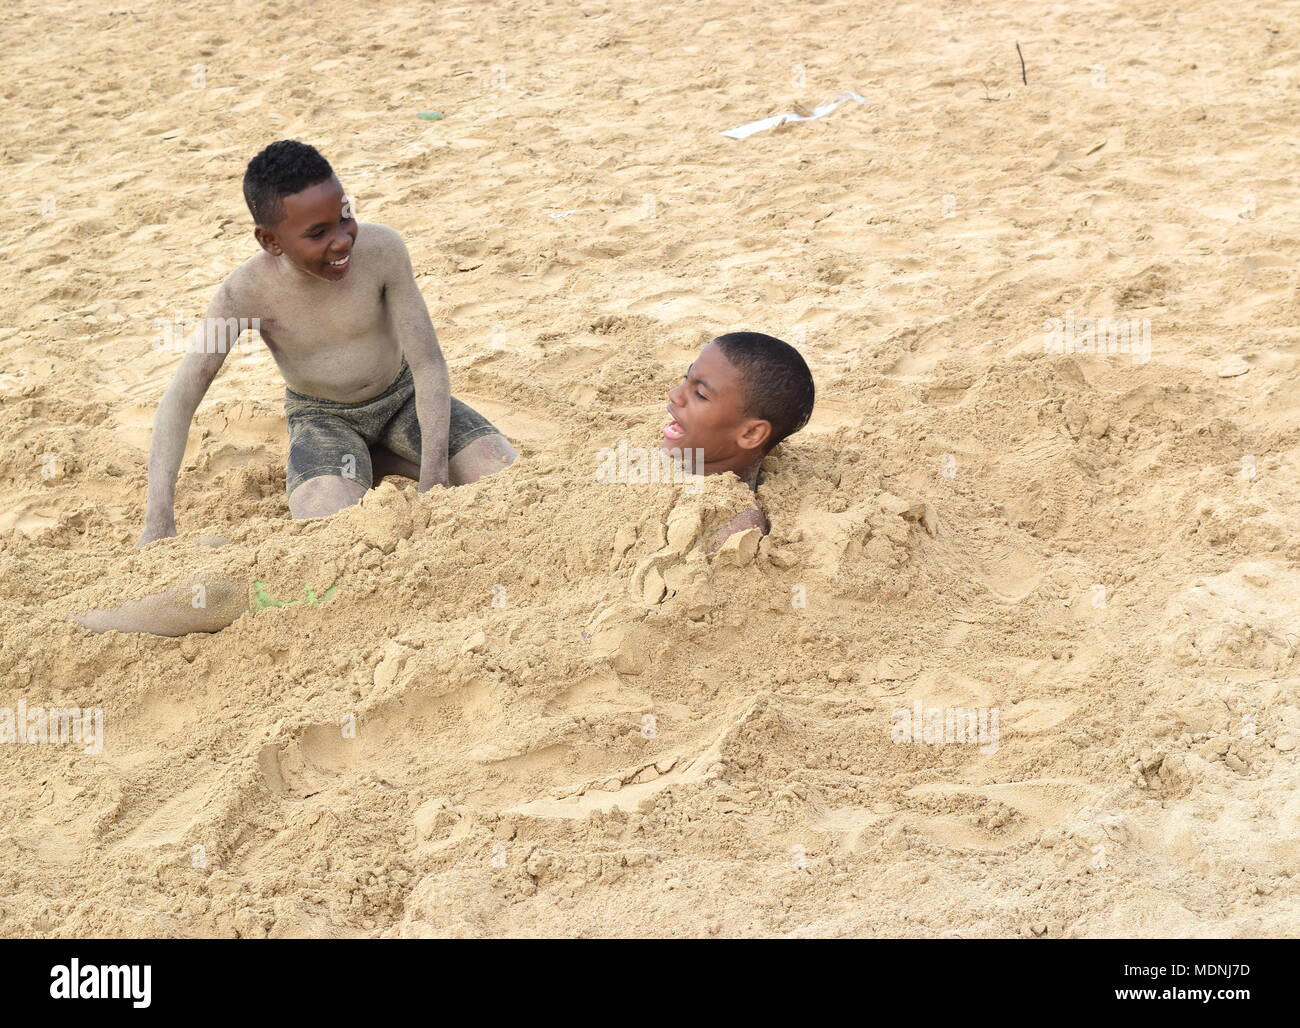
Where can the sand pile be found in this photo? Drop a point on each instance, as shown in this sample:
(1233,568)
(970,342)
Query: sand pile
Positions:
(533,705)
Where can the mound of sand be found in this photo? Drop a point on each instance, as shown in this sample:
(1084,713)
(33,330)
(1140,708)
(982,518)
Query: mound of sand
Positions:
(533,706)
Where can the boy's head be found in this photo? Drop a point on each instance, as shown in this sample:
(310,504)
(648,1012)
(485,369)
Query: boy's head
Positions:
(745,393)
(300,210)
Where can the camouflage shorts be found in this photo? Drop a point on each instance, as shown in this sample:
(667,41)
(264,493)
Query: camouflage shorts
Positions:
(331,438)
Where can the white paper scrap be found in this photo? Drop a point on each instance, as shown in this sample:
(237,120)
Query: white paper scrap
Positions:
(832,102)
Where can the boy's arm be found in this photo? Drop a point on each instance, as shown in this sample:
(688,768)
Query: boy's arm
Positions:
(171,424)
(414,331)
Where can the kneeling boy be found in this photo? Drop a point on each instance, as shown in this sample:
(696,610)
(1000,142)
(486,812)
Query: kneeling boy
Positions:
(338,307)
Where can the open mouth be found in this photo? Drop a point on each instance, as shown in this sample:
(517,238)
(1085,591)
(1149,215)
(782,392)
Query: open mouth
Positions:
(673,430)
(342,262)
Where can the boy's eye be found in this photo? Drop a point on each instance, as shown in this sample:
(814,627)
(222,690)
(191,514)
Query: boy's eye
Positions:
(700,395)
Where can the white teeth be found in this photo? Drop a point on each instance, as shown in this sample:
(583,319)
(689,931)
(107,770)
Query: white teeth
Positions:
(341,261)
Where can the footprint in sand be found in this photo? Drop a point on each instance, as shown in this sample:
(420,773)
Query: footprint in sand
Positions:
(631,789)
(308,763)
(1011,576)
(1039,803)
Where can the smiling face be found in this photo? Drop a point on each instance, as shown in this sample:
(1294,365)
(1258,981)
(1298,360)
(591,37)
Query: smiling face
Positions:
(708,411)
(316,233)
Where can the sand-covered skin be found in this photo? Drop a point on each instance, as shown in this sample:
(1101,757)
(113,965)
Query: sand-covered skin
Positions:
(533,706)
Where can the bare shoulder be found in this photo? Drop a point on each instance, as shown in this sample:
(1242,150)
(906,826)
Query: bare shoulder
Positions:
(245,285)
(745,520)
(752,518)
(379,239)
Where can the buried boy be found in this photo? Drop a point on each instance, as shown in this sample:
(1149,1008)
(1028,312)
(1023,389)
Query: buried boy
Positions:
(337,305)
(744,394)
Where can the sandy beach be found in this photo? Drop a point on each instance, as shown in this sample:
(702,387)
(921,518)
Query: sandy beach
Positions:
(1050,483)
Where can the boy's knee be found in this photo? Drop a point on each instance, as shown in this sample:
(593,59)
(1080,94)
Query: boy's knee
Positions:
(503,452)
(484,456)
(324,495)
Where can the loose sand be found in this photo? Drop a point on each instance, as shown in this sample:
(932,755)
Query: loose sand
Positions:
(533,706)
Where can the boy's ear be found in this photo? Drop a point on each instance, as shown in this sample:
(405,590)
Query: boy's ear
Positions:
(754,434)
(266,239)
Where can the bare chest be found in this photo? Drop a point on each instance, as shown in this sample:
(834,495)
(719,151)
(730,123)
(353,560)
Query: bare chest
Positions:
(352,313)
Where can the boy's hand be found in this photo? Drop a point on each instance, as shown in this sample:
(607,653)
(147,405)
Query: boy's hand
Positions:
(156,528)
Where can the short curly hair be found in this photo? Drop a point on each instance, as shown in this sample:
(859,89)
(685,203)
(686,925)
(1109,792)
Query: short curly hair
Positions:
(282,169)
(778,385)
